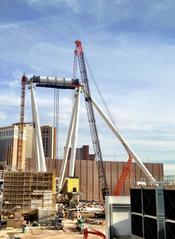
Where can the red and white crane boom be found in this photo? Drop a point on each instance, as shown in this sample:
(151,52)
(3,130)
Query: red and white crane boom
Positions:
(92,122)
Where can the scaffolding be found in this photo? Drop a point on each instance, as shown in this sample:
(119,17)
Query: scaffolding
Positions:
(27,190)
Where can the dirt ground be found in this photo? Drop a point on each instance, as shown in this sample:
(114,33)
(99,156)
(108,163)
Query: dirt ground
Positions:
(45,233)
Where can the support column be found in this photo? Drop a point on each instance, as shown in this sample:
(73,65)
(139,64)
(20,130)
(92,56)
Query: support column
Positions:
(39,144)
(161,232)
(68,142)
(127,147)
(74,135)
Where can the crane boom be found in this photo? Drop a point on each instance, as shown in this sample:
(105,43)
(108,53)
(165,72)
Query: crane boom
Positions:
(123,177)
(92,122)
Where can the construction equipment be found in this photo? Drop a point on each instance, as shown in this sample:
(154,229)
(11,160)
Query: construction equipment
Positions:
(71,185)
(67,83)
(123,176)
(20,151)
(58,223)
(92,122)
(49,82)
(55,82)
(39,151)
(68,188)
(80,225)
(96,144)
(93,232)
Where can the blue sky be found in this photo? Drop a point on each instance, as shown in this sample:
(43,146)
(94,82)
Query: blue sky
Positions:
(130,46)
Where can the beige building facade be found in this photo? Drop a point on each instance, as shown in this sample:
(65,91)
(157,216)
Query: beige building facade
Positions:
(9,144)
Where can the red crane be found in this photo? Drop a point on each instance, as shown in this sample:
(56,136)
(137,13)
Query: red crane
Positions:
(123,176)
(91,118)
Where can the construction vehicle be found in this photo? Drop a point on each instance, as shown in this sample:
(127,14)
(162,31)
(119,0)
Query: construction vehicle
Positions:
(94,134)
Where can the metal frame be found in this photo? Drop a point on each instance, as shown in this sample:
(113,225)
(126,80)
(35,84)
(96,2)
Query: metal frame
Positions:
(73,128)
(71,139)
(41,163)
(92,122)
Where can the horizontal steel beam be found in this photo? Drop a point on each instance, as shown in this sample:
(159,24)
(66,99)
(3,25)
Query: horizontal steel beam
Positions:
(55,82)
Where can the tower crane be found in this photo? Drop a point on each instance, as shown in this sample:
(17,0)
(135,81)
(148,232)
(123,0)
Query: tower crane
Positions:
(91,118)
(90,103)
(20,157)
(123,177)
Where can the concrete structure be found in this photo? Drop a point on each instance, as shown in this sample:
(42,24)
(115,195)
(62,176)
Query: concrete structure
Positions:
(28,190)
(48,134)
(118,218)
(9,144)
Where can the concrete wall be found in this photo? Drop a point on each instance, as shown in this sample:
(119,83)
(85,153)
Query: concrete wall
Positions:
(86,170)
(117,216)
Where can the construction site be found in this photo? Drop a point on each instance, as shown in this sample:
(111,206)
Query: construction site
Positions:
(80,196)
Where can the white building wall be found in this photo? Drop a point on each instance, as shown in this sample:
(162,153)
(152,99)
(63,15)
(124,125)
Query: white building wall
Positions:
(118,220)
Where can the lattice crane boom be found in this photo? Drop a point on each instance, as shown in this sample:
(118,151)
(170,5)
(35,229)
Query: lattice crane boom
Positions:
(125,172)
(92,122)
(20,157)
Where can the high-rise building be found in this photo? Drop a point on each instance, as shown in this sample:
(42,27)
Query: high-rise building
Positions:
(83,153)
(9,144)
(48,134)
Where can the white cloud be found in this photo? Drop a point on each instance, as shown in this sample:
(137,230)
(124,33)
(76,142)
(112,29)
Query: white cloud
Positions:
(2,116)
(8,26)
(73,4)
(9,100)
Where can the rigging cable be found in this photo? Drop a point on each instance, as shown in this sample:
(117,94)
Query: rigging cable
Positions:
(99,91)
(57,119)
(56,122)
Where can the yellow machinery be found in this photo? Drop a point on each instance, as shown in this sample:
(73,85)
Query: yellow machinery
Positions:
(71,185)
(69,196)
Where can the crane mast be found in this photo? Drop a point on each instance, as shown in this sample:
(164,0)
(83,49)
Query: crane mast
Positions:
(91,118)
(20,159)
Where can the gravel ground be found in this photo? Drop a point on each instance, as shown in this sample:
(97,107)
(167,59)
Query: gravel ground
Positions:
(44,233)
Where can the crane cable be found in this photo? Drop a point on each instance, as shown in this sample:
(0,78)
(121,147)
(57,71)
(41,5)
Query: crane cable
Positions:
(99,92)
(127,167)
(56,120)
